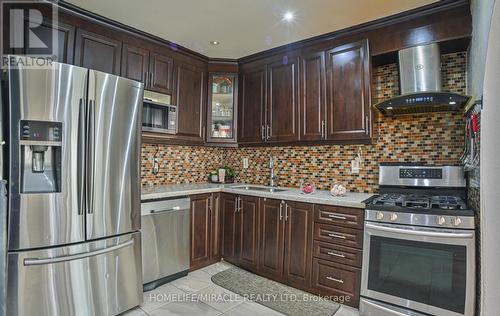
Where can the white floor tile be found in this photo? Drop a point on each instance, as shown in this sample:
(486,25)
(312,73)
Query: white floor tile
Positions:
(160,296)
(193,282)
(347,311)
(251,308)
(185,308)
(217,267)
(219,298)
(134,312)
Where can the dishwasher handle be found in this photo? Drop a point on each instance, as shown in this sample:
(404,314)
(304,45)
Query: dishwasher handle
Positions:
(175,208)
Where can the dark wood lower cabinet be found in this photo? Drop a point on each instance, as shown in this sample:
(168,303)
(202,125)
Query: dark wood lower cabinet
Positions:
(248,218)
(339,282)
(271,239)
(216,229)
(298,238)
(229,238)
(205,231)
(285,242)
(337,253)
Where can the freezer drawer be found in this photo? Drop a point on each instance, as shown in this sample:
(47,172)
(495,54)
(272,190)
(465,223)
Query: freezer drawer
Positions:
(95,278)
(165,243)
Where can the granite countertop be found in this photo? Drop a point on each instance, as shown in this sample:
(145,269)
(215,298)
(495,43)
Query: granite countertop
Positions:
(351,199)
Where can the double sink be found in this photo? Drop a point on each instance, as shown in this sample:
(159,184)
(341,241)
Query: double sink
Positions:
(261,189)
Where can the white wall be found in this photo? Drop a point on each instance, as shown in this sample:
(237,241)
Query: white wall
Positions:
(490,174)
(481,16)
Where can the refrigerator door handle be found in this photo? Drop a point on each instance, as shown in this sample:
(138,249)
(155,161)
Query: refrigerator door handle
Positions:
(90,136)
(82,141)
(42,261)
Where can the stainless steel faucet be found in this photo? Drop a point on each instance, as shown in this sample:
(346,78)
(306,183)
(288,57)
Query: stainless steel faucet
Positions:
(272,176)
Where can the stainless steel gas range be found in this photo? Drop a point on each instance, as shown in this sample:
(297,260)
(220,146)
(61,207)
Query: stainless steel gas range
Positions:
(419,244)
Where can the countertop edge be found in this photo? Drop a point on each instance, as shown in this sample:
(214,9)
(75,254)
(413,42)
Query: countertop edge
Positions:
(289,196)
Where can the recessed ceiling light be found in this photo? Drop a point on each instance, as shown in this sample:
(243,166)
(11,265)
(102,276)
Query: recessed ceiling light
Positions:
(288,16)
(214,42)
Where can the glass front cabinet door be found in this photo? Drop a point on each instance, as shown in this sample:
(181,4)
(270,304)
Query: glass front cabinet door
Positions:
(222,108)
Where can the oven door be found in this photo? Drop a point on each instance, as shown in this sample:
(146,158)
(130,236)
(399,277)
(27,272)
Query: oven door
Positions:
(424,269)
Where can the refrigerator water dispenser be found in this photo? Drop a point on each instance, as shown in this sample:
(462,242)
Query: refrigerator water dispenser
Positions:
(41,147)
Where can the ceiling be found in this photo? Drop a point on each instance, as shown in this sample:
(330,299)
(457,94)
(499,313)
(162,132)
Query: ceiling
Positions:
(242,27)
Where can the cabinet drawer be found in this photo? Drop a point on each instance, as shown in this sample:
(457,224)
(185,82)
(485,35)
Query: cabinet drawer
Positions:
(338,235)
(340,216)
(336,280)
(337,253)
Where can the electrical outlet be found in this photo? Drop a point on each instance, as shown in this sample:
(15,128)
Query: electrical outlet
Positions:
(355,166)
(245,163)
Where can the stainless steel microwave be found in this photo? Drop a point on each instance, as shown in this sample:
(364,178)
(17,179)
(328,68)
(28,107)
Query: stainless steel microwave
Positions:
(159,117)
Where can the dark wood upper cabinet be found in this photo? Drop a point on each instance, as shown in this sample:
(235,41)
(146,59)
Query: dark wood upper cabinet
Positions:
(348,88)
(161,73)
(252,105)
(298,241)
(230,228)
(99,52)
(282,109)
(312,96)
(271,239)
(190,99)
(65,39)
(135,63)
(248,214)
(200,231)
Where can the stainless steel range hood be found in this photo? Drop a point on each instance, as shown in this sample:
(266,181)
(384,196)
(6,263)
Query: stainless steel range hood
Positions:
(420,82)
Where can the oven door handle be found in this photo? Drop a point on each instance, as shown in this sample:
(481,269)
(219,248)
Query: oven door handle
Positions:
(419,233)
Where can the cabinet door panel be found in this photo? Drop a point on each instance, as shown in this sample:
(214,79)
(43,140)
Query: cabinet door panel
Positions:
(298,239)
(312,96)
(216,229)
(283,101)
(200,231)
(65,39)
(271,240)
(135,62)
(190,100)
(97,52)
(229,228)
(161,73)
(252,105)
(249,230)
(349,91)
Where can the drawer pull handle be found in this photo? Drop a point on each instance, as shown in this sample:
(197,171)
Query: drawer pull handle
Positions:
(337,236)
(336,254)
(337,217)
(335,280)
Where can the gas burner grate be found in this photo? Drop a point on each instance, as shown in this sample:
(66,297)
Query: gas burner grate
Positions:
(389,199)
(447,202)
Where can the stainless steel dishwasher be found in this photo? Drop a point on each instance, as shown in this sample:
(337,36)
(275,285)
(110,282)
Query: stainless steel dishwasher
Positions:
(165,241)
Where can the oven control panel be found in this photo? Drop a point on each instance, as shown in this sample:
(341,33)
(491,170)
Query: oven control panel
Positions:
(420,219)
(421,173)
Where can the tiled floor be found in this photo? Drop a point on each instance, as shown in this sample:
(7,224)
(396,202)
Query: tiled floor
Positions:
(184,297)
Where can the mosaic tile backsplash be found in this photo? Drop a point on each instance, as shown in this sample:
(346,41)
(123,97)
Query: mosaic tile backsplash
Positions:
(431,138)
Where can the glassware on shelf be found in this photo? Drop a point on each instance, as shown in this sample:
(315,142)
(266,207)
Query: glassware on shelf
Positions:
(222,103)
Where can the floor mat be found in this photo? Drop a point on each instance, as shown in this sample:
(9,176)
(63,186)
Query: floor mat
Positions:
(277,296)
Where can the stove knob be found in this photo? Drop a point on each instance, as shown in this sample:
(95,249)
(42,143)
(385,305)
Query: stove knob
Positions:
(394,217)
(380,216)
(440,220)
(457,221)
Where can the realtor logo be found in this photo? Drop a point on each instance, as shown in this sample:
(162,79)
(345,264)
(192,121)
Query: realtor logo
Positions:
(29,28)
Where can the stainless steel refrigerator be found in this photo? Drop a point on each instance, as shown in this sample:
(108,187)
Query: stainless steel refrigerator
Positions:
(73,164)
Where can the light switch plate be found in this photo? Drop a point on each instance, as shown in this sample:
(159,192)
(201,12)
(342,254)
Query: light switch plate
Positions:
(355,166)
(245,163)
